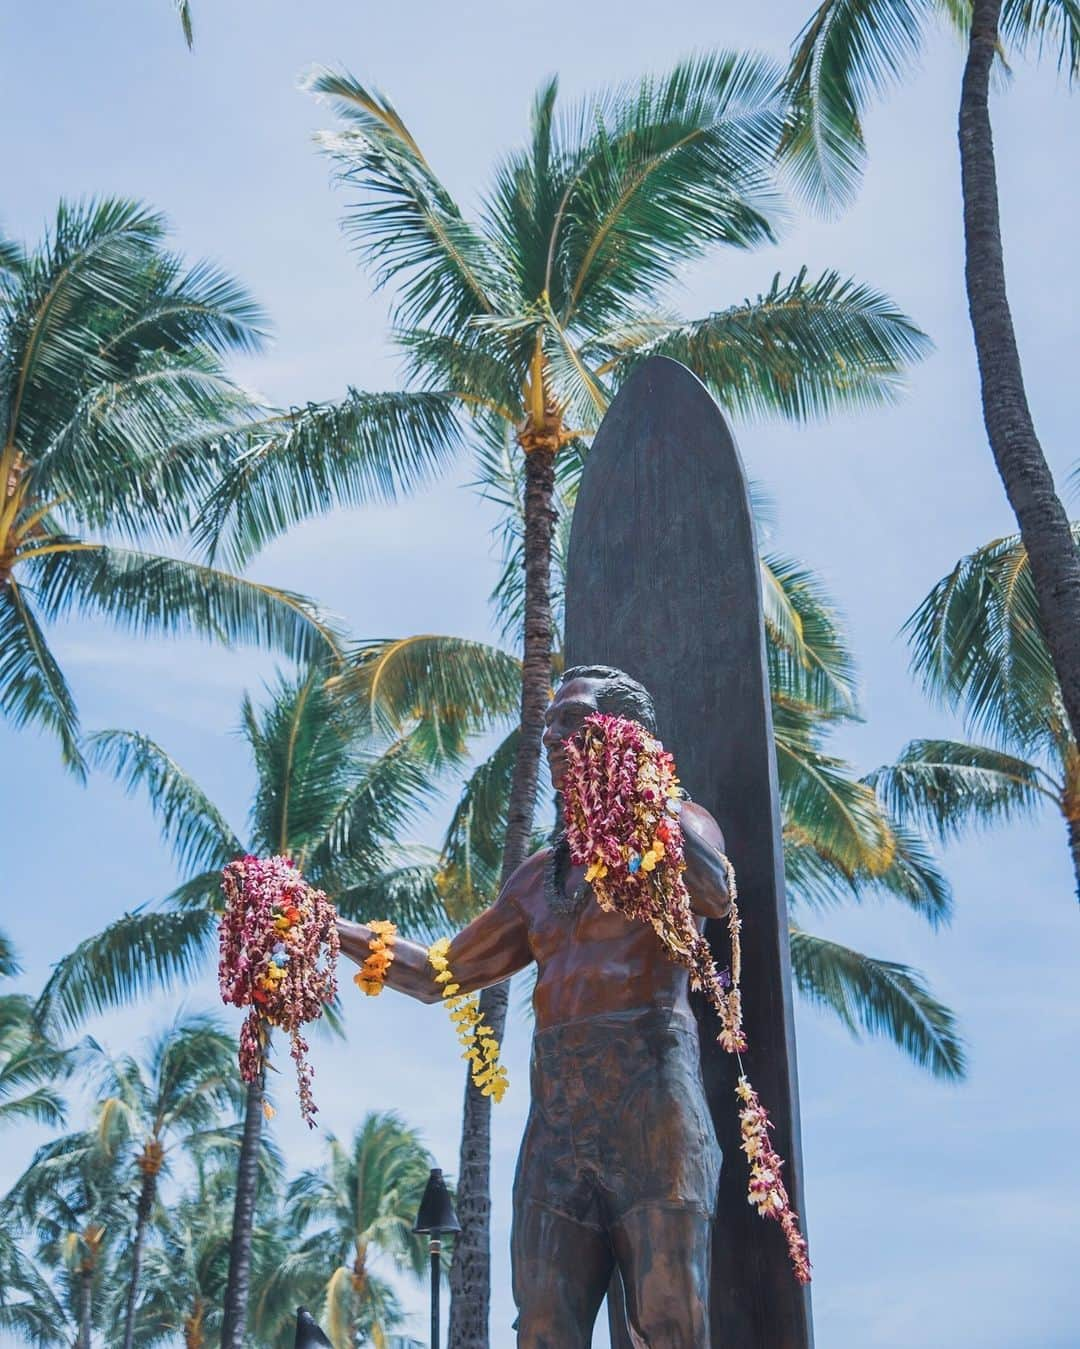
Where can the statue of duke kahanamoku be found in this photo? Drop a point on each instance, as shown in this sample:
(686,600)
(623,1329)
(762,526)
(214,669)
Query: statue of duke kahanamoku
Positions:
(619,1164)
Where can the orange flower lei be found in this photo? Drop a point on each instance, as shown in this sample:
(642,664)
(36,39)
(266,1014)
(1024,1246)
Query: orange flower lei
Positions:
(380,957)
(481,1047)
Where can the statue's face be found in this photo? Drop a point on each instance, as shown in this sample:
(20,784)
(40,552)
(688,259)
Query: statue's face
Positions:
(574,701)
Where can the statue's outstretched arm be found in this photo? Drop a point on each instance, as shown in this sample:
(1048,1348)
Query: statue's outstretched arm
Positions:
(494,946)
(706,874)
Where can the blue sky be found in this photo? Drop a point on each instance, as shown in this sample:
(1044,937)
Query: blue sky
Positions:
(937,1215)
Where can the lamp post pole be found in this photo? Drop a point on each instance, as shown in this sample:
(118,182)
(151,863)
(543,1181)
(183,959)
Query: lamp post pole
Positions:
(435,1219)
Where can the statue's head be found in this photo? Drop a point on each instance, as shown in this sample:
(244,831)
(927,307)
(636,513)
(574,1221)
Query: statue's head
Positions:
(586,689)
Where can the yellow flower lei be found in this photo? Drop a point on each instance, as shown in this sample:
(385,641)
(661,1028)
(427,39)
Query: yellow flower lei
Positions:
(481,1048)
(380,957)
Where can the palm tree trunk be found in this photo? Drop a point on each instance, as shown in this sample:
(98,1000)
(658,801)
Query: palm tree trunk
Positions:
(470,1273)
(144,1208)
(86,1293)
(234,1324)
(1029,484)
(1074,850)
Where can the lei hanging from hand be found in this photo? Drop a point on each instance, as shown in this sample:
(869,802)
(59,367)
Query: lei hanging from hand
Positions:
(279,949)
(622,803)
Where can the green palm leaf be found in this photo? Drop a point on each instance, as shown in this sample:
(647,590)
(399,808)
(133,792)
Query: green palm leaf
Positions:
(290,466)
(849,51)
(808,656)
(194,827)
(880,997)
(141,953)
(407,225)
(801,350)
(946,785)
(148,593)
(977,642)
(33,690)
(408,894)
(472,849)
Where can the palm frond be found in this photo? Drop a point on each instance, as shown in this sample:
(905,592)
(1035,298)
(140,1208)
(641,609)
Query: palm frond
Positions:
(196,830)
(1042,24)
(977,643)
(449,685)
(880,997)
(656,173)
(140,953)
(410,895)
(149,593)
(405,223)
(808,655)
(290,466)
(946,785)
(472,848)
(33,690)
(849,52)
(183,11)
(803,349)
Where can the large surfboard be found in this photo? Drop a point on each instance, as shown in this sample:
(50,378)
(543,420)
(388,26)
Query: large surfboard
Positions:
(663,582)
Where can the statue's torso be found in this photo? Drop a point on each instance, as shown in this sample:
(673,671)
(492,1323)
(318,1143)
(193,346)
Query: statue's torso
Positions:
(592,962)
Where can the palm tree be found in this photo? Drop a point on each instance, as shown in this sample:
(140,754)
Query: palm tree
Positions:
(361,1204)
(71,1201)
(979,646)
(112,400)
(332,794)
(528,321)
(188,1079)
(848,52)
(31,1063)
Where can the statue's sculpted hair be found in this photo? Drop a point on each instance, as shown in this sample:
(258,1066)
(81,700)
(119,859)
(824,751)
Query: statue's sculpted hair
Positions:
(618,694)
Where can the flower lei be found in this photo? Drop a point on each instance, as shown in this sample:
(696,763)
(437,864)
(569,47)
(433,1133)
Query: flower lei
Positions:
(481,1047)
(279,949)
(622,804)
(380,957)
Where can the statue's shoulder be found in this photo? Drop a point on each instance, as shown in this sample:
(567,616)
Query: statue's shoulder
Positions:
(526,883)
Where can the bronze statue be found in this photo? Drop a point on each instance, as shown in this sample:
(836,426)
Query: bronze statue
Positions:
(619,1164)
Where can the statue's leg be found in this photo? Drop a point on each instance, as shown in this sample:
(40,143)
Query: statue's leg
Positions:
(561,1273)
(664,1256)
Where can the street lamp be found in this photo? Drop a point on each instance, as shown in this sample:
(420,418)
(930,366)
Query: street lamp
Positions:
(435,1218)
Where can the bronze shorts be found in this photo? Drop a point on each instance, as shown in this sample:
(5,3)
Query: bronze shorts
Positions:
(618,1119)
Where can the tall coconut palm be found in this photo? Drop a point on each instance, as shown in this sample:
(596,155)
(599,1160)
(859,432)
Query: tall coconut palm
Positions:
(331,793)
(112,399)
(360,1204)
(148,1110)
(848,53)
(528,319)
(979,646)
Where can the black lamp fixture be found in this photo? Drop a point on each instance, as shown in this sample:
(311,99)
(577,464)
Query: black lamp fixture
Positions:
(435,1219)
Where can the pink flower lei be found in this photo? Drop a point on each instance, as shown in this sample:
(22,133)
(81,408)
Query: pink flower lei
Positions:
(622,801)
(279,950)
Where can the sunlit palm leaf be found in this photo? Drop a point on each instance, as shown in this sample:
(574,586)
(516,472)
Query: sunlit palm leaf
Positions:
(808,655)
(408,895)
(880,997)
(450,684)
